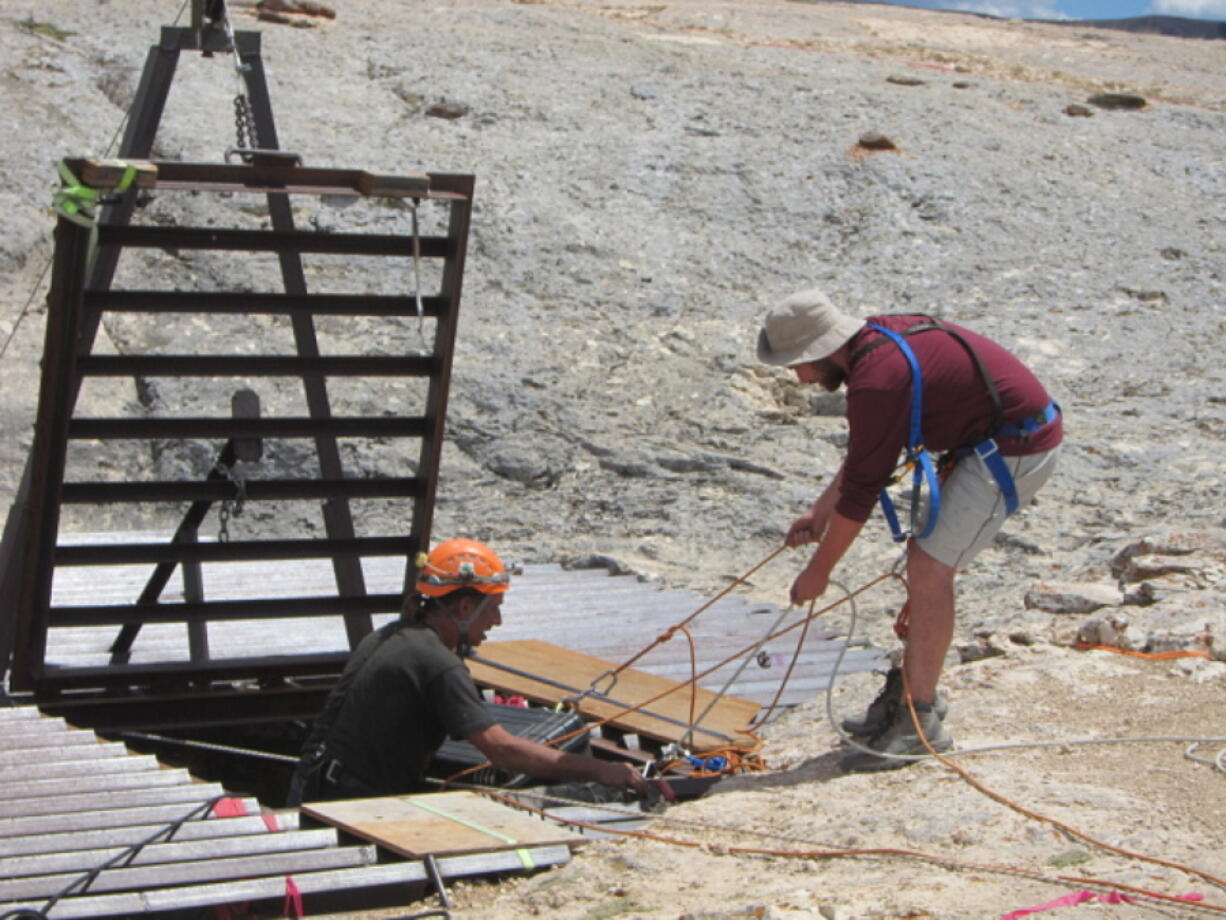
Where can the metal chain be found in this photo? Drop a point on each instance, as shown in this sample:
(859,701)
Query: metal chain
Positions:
(245,135)
(230,507)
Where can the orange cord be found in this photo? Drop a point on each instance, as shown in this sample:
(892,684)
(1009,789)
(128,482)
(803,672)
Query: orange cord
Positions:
(849,852)
(1035,816)
(1185,653)
(697,677)
(668,634)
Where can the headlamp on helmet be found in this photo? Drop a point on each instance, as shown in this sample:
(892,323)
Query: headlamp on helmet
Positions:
(461,563)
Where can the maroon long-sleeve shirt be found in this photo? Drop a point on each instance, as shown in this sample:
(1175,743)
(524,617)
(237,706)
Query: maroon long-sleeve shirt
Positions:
(957,409)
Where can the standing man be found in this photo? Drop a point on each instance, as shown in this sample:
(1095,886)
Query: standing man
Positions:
(405,689)
(914,383)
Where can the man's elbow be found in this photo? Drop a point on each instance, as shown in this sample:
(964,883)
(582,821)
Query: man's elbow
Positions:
(499,747)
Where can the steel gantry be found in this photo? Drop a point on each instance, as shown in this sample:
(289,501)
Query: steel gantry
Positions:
(84,464)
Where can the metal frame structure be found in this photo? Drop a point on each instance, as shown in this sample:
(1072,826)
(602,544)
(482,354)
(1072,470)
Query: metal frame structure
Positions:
(204,689)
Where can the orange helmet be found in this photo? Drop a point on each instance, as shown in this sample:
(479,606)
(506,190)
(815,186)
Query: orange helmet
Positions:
(461,563)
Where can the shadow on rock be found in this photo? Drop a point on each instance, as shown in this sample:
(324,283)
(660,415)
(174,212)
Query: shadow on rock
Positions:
(820,769)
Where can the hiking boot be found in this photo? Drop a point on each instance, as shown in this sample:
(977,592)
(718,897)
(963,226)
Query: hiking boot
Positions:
(900,738)
(882,710)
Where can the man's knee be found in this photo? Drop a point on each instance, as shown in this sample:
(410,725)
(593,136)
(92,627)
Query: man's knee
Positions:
(926,570)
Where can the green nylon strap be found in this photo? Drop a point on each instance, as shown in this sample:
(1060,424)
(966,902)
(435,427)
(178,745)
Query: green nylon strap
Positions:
(76,201)
(524,856)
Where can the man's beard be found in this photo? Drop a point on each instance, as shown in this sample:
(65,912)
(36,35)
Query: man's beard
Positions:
(829,375)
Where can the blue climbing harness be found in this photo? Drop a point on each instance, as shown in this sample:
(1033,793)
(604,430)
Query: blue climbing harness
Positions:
(924,470)
(919,458)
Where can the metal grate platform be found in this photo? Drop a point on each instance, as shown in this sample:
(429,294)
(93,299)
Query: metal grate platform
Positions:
(74,811)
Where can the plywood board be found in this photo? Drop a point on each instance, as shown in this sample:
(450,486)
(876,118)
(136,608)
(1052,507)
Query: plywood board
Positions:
(439,824)
(564,674)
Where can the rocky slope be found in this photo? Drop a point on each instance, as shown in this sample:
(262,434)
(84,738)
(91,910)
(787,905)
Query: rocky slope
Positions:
(651,177)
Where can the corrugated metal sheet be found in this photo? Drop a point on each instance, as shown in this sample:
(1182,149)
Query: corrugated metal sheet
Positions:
(591,611)
(88,829)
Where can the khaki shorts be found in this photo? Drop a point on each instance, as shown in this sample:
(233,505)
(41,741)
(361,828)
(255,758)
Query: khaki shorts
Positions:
(973,508)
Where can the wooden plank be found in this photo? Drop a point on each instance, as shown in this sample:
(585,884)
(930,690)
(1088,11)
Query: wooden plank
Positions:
(439,823)
(393,186)
(665,719)
(109,173)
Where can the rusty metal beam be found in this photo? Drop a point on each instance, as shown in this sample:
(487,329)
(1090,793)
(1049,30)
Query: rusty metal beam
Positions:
(440,385)
(57,392)
(186,532)
(128,301)
(233,551)
(338,520)
(217,611)
(178,673)
(254,366)
(181,712)
(81,295)
(283,239)
(377,426)
(217,490)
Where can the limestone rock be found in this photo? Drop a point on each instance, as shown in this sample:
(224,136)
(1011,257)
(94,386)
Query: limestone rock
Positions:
(1114,632)
(1126,101)
(1072,597)
(874,140)
(448,110)
(1194,559)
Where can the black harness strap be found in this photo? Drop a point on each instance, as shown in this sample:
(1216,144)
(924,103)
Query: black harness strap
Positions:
(314,757)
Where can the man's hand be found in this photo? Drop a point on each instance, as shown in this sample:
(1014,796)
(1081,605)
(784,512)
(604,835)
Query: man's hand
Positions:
(622,776)
(810,584)
(811,526)
(808,528)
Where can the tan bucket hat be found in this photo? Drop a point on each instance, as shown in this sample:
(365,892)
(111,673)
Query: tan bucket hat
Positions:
(804,327)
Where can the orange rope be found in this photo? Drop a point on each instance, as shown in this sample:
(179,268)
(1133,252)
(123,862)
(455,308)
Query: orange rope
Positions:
(852,853)
(668,634)
(1009,803)
(737,654)
(751,761)
(1177,653)
(738,760)
(697,677)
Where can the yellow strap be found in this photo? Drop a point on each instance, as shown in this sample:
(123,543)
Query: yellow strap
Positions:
(524,856)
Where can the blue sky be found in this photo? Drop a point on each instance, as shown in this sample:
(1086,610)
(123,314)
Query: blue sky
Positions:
(1082,9)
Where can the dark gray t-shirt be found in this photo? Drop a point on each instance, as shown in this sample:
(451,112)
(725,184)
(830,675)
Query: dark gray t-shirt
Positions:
(410,695)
